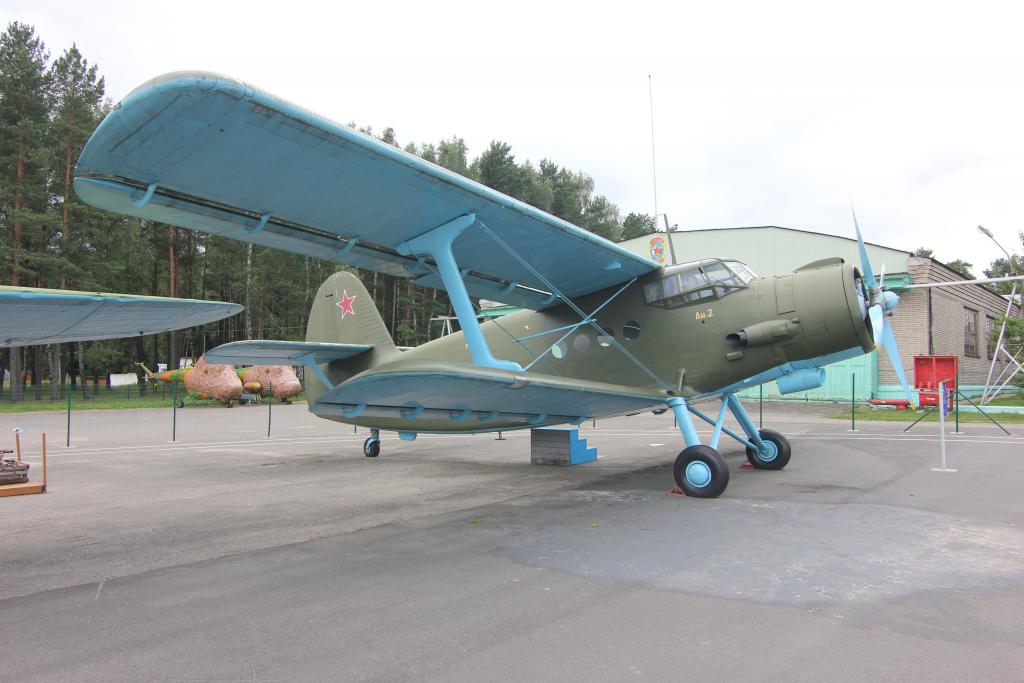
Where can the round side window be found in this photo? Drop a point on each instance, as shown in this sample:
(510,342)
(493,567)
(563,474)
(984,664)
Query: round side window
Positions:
(631,330)
(558,350)
(606,338)
(581,343)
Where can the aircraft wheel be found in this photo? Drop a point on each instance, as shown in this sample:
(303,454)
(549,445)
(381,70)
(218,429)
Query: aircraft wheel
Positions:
(776,453)
(371,447)
(659,411)
(701,472)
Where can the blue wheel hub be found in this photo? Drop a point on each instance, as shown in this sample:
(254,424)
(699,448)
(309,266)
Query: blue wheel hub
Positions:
(769,452)
(698,474)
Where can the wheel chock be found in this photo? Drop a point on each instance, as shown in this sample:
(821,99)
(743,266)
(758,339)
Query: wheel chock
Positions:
(746,465)
(676,491)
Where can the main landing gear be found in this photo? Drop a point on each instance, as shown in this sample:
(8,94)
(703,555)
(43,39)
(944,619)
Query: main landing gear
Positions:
(371,447)
(700,470)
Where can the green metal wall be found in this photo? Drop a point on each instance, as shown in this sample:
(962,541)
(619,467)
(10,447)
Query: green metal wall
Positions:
(838,382)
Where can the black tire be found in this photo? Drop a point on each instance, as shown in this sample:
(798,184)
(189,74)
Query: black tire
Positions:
(701,472)
(778,459)
(371,447)
(660,411)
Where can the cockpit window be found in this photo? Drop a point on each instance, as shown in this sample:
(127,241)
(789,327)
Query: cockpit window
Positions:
(692,282)
(742,270)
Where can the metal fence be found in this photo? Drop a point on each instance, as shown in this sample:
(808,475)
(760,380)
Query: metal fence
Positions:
(134,414)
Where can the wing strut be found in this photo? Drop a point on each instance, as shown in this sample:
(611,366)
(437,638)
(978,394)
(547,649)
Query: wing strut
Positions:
(438,244)
(587,319)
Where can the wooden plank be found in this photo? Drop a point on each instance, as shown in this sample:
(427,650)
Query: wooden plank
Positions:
(22,489)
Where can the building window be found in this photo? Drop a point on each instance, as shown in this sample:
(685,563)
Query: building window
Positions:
(970,332)
(990,334)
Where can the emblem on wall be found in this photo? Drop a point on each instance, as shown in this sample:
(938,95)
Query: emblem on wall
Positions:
(657,249)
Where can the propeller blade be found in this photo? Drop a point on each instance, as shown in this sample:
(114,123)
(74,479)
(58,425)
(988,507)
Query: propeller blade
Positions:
(877,317)
(889,342)
(865,265)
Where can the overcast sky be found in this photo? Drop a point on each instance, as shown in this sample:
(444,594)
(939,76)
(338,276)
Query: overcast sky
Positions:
(765,113)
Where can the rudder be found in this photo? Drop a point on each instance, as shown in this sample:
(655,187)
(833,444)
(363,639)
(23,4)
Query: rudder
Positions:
(343,312)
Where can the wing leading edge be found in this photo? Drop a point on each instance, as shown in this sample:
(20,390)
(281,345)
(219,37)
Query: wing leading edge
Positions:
(445,396)
(210,153)
(30,316)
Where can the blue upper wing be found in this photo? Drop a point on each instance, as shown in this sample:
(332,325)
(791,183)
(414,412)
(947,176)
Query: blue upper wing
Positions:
(31,316)
(220,156)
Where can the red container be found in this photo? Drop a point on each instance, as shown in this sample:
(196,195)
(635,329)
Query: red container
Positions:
(929,371)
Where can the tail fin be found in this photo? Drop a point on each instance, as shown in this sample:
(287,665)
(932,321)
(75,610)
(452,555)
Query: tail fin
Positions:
(343,313)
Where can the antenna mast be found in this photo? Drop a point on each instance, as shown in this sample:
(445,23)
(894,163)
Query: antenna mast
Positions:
(654,165)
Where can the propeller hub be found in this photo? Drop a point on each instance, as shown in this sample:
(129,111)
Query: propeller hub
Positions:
(890,301)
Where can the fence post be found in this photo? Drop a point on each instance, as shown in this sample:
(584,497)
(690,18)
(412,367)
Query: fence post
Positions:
(956,400)
(270,407)
(69,392)
(174,413)
(853,401)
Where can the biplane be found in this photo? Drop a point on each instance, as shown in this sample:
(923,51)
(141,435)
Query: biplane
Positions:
(602,332)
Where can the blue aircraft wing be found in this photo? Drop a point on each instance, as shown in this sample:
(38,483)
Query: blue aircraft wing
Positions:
(211,153)
(267,352)
(477,398)
(30,316)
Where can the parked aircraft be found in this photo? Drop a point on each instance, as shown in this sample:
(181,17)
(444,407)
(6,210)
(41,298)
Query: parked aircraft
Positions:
(604,332)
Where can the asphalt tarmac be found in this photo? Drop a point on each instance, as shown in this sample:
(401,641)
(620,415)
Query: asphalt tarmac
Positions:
(228,556)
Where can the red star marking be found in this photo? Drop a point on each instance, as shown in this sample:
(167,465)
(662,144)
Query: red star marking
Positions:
(345,304)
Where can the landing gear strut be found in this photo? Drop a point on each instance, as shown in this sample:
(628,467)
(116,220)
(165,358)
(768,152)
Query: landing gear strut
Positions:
(700,470)
(371,447)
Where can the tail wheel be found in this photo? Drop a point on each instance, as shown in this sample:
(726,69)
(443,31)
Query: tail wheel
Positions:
(371,447)
(775,454)
(701,472)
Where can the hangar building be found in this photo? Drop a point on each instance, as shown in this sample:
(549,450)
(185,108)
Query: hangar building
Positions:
(952,321)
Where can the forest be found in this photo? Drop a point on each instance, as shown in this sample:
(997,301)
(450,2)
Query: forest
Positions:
(49,107)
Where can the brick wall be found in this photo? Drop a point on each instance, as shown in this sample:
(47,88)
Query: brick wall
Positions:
(911,328)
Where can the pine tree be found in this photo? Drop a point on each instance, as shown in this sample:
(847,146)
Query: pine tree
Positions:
(24,110)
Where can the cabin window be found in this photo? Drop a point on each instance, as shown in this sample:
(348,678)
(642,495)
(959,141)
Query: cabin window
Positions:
(581,343)
(631,330)
(606,338)
(558,350)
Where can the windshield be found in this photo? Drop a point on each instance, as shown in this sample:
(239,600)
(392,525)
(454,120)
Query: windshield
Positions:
(692,282)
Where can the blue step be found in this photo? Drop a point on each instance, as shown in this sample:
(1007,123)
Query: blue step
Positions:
(578,451)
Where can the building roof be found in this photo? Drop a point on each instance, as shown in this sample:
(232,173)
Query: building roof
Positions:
(770,249)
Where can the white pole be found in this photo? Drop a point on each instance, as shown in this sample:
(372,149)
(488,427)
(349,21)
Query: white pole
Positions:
(943,408)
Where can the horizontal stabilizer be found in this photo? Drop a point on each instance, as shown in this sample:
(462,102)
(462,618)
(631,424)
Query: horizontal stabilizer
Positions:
(267,352)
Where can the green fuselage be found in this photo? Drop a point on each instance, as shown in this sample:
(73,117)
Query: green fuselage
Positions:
(689,348)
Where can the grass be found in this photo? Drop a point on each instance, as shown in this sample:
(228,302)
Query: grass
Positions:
(891,415)
(120,398)
(1016,400)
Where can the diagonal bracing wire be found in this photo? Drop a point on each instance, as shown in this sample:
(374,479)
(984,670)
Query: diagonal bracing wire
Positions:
(586,319)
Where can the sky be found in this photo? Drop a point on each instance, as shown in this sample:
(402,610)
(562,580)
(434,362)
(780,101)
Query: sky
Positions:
(764,113)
